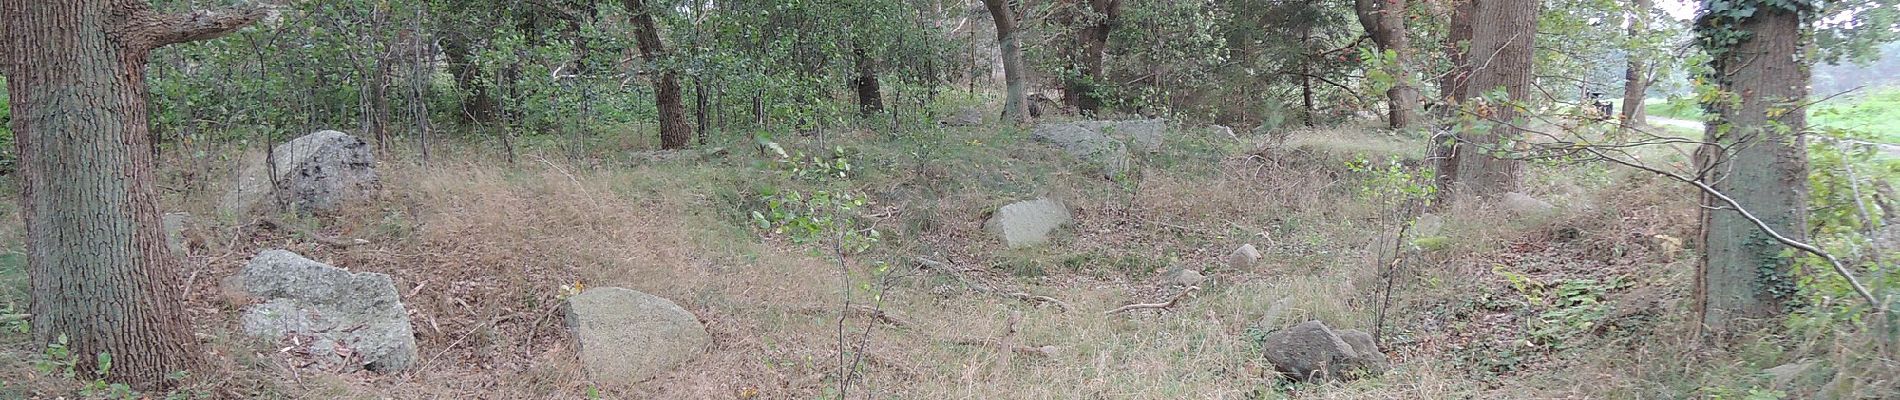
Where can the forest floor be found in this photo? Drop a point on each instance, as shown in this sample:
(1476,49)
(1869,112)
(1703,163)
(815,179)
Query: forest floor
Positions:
(1587,300)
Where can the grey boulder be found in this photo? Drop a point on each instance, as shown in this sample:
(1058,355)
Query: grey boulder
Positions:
(967,116)
(1028,223)
(321,171)
(1523,204)
(1244,257)
(1311,352)
(340,318)
(626,336)
(1104,142)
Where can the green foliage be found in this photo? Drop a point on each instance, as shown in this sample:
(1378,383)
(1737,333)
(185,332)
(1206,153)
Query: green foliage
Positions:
(1839,224)
(1392,183)
(804,214)
(7,158)
(15,320)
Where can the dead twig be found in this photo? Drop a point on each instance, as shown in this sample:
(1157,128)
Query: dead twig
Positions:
(1162,305)
(1024,296)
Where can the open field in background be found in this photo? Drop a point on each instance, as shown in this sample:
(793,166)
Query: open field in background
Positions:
(1873,111)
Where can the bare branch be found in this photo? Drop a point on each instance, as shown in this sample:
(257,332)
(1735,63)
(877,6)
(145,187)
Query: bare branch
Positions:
(1166,304)
(166,29)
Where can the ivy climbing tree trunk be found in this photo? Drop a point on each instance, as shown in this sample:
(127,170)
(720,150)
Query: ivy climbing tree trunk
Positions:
(674,132)
(1384,21)
(1015,94)
(1501,57)
(101,274)
(1756,154)
(1635,82)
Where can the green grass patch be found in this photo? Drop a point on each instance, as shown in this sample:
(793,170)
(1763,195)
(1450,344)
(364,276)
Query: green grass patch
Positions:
(1876,112)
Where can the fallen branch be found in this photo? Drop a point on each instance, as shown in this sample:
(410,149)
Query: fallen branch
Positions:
(1162,305)
(1040,299)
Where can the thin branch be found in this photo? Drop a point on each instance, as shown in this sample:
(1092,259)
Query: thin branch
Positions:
(1166,304)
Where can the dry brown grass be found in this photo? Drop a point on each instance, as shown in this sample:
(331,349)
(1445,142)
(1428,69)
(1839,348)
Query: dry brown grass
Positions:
(481,249)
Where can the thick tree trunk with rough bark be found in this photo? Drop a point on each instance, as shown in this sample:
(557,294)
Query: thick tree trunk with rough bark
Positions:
(1501,56)
(674,132)
(1384,21)
(1451,88)
(101,273)
(1635,83)
(1015,94)
(1758,157)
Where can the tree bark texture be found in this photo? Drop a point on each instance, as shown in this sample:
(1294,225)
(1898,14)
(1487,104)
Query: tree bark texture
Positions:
(101,273)
(1384,21)
(1501,56)
(1635,83)
(674,132)
(1451,88)
(1757,156)
(1015,94)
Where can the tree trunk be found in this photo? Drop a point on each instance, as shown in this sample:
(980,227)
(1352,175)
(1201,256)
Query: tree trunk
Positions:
(674,132)
(1635,86)
(1759,158)
(1015,103)
(1501,57)
(1384,20)
(1451,92)
(1451,84)
(101,274)
(870,97)
(1093,54)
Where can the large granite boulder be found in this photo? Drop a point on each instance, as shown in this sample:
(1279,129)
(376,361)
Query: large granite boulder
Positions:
(1028,223)
(337,317)
(1311,351)
(321,171)
(626,336)
(1104,142)
(250,187)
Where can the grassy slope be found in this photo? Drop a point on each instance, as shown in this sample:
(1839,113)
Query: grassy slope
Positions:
(485,246)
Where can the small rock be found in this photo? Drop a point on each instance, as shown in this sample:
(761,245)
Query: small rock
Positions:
(350,320)
(1312,352)
(1244,258)
(1523,204)
(321,171)
(1784,374)
(626,337)
(967,116)
(1223,131)
(1082,142)
(1028,223)
(1428,225)
(1186,277)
